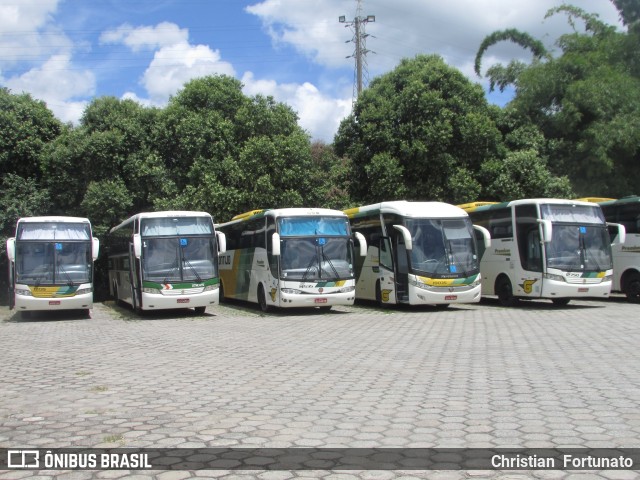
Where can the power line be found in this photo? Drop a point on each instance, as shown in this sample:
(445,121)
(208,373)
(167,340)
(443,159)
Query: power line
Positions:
(358,25)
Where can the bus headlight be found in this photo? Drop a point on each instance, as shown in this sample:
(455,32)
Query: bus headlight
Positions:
(476,282)
(607,278)
(83,291)
(347,289)
(208,288)
(26,293)
(551,276)
(154,291)
(291,291)
(418,284)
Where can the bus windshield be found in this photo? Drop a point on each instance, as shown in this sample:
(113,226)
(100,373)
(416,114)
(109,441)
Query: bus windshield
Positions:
(443,247)
(177,259)
(316,258)
(579,248)
(53,263)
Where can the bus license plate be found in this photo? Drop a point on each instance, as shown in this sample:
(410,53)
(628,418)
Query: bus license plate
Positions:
(320,300)
(451,297)
(183,300)
(583,290)
(54,302)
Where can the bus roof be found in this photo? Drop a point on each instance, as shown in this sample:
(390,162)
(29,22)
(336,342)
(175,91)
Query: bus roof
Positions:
(409,209)
(621,201)
(53,219)
(284,212)
(163,214)
(488,206)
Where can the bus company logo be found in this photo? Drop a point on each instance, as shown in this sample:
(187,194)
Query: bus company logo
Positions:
(502,251)
(272,293)
(384,294)
(527,285)
(320,290)
(631,249)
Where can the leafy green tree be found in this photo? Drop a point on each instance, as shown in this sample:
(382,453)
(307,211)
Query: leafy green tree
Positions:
(419,132)
(585,101)
(26,126)
(229,153)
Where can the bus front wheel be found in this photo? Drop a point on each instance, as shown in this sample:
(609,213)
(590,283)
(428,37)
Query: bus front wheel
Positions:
(560,302)
(632,287)
(504,290)
(262,299)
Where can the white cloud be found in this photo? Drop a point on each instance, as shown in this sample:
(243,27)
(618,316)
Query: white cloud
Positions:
(319,113)
(146,38)
(404,28)
(175,60)
(58,84)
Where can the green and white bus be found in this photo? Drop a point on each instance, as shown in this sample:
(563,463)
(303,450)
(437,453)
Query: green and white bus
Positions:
(626,255)
(164,260)
(544,248)
(290,257)
(51,264)
(420,253)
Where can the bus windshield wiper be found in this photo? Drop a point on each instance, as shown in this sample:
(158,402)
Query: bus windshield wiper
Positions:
(328,260)
(195,272)
(308,270)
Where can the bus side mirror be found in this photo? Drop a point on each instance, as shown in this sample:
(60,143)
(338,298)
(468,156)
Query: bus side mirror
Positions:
(11,249)
(222,242)
(275,244)
(485,235)
(622,232)
(95,248)
(547,230)
(362,242)
(408,243)
(137,245)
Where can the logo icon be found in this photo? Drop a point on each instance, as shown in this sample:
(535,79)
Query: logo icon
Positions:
(527,285)
(23,458)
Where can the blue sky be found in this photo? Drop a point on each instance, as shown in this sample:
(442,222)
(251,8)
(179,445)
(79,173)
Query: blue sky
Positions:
(67,52)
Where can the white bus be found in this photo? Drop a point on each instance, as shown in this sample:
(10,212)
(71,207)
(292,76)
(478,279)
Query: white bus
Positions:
(51,264)
(626,255)
(420,253)
(544,248)
(164,260)
(290,257)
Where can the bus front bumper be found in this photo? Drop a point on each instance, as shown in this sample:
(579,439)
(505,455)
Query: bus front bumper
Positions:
(30,303)
(561,289)
(157,301)
(433,296)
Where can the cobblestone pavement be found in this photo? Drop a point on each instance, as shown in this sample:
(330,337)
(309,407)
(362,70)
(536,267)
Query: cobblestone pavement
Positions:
(470,376)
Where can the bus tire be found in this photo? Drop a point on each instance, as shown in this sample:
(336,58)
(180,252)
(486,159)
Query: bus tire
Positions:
(560,302)
(442,306)
(378,294)
(262,299)
(631,286)
(221,298)
(504,290)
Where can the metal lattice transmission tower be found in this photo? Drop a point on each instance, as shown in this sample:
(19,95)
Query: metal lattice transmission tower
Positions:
(357,26)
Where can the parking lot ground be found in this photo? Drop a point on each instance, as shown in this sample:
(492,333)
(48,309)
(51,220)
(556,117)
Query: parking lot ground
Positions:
(471,376)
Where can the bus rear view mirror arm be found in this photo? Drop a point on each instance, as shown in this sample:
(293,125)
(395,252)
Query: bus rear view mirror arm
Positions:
(547,230)
(362,242)
(485,235)
(406,235)
(622,232)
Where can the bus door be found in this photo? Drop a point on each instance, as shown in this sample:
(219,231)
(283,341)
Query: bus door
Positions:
(134,279)
(12,280)
(386,290)
(529,282)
